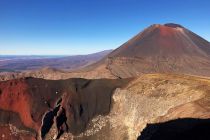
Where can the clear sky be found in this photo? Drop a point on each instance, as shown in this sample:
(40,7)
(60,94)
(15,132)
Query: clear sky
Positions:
(84,26)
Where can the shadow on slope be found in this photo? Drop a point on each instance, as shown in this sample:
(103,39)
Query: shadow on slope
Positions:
(180,129)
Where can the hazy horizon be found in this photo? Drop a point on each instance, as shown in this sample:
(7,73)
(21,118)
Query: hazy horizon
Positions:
(73,27)
(50,55)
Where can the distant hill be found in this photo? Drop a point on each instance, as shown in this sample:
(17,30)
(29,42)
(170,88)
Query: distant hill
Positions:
(20,63)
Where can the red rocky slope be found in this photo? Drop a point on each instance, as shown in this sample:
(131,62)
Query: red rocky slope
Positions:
(29,107)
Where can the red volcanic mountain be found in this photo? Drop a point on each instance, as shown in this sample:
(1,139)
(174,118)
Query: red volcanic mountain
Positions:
(168,48)
(159,40)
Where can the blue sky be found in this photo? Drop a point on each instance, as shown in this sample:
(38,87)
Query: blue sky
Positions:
(57,27)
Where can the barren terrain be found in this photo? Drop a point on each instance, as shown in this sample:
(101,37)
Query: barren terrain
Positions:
(99,109)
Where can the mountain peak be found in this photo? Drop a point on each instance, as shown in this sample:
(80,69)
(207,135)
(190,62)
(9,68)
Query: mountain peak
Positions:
(173,25)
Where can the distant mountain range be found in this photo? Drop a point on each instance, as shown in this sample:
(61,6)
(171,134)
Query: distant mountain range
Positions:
(14,63)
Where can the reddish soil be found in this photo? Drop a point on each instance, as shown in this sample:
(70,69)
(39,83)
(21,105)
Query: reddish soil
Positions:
(15,98)
(72,103)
